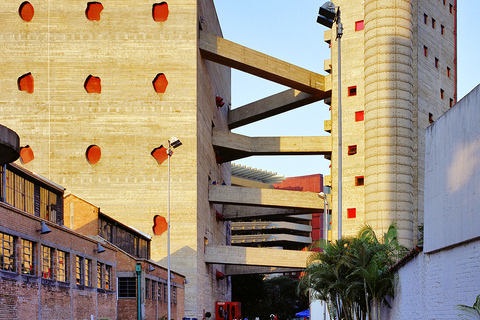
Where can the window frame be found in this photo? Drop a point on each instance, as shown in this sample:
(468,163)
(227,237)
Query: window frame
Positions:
(80,270)
(47,266)
(8,254)
(359,181)
(127,287)
(29,257)
(62,269)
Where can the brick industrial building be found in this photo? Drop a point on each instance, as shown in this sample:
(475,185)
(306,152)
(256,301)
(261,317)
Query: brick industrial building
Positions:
(49,271)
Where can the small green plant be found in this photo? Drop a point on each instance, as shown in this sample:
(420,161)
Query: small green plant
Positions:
(470,313)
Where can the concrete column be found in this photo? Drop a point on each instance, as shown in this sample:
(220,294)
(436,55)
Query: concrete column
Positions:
(388,116)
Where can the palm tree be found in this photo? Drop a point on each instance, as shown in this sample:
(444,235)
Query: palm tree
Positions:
(353,274)
(470,313)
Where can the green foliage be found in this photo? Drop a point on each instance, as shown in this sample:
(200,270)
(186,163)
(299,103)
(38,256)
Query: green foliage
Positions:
(470,313)
(352,275)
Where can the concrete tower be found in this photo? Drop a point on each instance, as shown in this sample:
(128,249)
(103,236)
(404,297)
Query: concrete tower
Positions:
(398,76)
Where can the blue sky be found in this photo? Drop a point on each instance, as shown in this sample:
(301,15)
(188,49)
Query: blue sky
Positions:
(287,30)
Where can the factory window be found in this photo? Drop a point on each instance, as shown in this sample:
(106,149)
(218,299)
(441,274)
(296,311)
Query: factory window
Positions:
(127,287)
(100,275)
(47,262)
(359,181)
(425,51)
(448,72)
(359,116)
(8,254)
(352,91)
(352,150)
(108,277)
(148,287)
(442,93)
(28,257)
(442,29)
(154,290)
(88,272)
(165,294)
(80,270)
(351,213)
(359,25)
(174,295)
(159,291)
(436,63)
(425,18)
(433,23)
(62,266)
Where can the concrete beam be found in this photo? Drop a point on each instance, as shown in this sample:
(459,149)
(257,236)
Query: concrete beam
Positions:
(236,56)
(239,212)
(271,106)
(264,197)
(234,146)
(231,270)
(246,256)
(250,183)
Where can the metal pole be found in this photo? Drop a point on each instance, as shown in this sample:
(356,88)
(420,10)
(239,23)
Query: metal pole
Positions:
(339,37)
(169,153)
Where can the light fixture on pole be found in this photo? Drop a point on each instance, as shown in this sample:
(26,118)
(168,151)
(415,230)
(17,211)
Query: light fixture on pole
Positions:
(172,143)
(327,15)
(44,229)
(325,215)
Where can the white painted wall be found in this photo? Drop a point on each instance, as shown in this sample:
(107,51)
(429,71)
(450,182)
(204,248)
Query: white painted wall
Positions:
(452,175)
(447,273)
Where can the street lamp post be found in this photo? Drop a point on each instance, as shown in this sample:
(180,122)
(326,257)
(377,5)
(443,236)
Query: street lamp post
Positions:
(175,143)
(327,15)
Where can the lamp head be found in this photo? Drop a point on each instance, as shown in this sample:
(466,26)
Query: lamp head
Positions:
(327,14)
(322,195)
(99,249)
(174,142)
(43,228)
(151,268)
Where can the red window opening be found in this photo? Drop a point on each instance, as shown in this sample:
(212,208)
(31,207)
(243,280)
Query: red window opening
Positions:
(442,93)
(352,91)
(425,18)
(425,51)
(359,181)
(359,25)
(352,150)
(436,63)
(359,116)
(351,213)
(433,23)
(442,29)
(448,72)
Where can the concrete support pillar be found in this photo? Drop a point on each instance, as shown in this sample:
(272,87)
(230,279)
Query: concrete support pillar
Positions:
(388,116)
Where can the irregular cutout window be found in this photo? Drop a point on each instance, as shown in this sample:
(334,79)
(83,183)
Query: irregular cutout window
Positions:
(26,154)
(93,154)
(93,11)
(93,84)
(442,93)
(160,11)
(26,11)
(160,83)
(425,51)
(26,83)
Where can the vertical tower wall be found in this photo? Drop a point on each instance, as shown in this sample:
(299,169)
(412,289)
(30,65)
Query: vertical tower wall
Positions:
(388,116)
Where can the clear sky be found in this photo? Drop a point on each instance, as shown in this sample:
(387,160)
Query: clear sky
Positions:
(287,30)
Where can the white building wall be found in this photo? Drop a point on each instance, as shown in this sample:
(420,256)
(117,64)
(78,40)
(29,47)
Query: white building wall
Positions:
(452,179)
(447,273)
